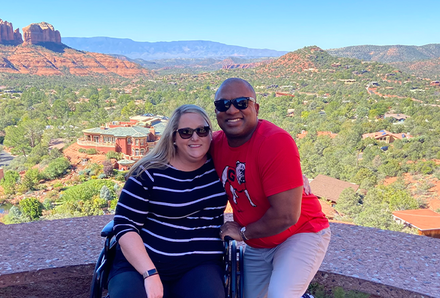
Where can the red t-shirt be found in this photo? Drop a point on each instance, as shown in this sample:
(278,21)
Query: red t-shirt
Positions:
(265,165)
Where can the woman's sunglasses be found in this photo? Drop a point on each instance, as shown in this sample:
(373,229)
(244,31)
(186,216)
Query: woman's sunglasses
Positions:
(241,103)
(186,133)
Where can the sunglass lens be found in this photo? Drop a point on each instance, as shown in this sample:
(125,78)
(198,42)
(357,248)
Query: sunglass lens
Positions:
(185,133)
(202,131)
(222,105)
(241,103)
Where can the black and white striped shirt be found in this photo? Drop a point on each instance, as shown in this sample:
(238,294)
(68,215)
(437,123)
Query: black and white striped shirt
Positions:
(178,215)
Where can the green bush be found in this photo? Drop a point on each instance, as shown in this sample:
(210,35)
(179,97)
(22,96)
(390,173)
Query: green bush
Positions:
(31,179)
(31,208)
(84,199)
(82,150)
(91,151)
(56,168)
(14,216)
(113,154)
(86,190)
(9,182)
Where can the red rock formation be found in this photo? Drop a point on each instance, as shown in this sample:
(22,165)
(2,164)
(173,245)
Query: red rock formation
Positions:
(42,61)
(8,35)
(40,32)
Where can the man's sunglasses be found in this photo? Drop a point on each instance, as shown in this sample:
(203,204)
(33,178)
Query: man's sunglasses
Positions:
(186,133)
(241,103)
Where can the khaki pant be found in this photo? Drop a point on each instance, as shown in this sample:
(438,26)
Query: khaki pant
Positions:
(284,271)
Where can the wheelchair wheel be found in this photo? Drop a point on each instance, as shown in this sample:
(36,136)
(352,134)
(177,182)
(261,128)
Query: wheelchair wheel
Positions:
(102,268)
(234,269)
(96,287)
(240,278)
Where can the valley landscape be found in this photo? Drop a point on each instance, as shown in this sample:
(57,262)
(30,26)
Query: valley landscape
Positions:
(329,101)
(356,86)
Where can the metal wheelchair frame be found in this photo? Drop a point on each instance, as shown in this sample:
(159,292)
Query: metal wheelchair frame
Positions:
(232,257)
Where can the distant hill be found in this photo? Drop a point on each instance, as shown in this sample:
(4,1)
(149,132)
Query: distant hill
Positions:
(388,54)
(424,69)
(195,65)
(165,50)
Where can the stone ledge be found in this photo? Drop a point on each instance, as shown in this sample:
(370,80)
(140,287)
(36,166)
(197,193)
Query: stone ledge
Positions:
(42,258)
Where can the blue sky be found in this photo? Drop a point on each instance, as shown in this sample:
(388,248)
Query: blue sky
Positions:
(279,25)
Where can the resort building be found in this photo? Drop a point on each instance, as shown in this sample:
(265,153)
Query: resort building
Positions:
(133,138)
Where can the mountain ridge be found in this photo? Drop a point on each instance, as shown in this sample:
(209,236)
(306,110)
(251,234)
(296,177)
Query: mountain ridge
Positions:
(388,53)
(165,49)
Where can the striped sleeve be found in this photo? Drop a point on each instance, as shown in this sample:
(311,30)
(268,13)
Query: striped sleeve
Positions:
(132,207)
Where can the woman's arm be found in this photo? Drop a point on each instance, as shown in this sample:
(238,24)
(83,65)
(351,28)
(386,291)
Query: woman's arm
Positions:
(134,251)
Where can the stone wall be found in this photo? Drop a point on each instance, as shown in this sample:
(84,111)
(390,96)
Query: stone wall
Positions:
(42,258)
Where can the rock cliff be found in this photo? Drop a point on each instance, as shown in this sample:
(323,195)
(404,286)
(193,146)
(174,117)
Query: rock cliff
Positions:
(40,32)
(7,34)
(39,60)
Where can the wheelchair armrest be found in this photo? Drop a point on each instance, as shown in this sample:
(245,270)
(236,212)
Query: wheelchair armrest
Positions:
(107,231)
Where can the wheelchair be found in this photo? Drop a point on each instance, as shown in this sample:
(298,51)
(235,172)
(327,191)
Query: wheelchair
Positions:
(232,258)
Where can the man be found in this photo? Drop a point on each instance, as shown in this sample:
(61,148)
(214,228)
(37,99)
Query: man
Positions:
(285,230)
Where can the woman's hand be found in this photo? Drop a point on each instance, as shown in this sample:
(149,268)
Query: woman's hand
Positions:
(153,286)
(231,229)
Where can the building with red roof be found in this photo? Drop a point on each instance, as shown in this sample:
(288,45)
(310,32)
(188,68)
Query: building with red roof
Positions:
(424,220)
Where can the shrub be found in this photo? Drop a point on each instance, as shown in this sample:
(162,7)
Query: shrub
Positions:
(108,167)
(14,216)
(91,151)
(114,202)
(30,179)
(56,168)
(31,208)
(9,182)
(58,185)
(83,199)
(120,175)
(82,150)
(113,154)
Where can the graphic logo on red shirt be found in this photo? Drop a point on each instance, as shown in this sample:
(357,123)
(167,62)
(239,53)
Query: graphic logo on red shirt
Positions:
(234,183)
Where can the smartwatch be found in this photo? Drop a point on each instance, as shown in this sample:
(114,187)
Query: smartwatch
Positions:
(149,273)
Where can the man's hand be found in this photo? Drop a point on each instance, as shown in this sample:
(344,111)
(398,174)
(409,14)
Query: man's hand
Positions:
(231,229)
(307,188)
(153,286)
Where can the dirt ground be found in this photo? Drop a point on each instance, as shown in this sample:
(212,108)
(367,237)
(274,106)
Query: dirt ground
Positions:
(80,160)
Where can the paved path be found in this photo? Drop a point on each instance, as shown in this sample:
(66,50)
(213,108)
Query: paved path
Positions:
(5,159)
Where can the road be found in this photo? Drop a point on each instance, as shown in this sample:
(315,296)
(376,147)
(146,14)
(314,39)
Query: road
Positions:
(5,159)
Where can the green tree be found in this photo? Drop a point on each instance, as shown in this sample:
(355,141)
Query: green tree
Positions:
(25,136)
(30,179)
(15,139)
(31,208)
(9,182)
(349,203)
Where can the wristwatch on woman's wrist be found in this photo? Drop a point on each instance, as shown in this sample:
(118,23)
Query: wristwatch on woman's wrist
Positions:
(243,236)
(149,273)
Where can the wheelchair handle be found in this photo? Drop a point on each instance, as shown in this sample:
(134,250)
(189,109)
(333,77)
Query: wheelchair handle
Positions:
(228,238)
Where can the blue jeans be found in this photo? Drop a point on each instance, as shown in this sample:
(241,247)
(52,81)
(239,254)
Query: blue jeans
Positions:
(203,281)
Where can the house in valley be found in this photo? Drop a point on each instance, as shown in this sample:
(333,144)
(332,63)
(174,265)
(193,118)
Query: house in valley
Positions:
(426,221)
(386,136)
(133,138)
(330,188)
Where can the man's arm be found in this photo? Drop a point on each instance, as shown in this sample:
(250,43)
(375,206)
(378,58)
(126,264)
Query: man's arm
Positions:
(284,212)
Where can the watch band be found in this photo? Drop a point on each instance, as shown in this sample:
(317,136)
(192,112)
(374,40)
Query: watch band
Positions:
(149,273)
(242,231)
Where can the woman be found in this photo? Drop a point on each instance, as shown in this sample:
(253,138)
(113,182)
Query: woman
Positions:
(168,217)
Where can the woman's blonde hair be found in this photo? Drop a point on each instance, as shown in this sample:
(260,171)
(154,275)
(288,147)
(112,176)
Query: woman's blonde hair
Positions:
(165,149)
